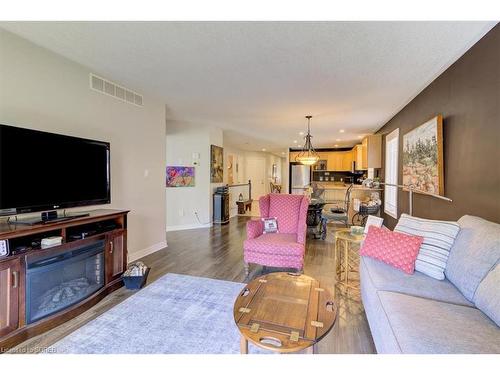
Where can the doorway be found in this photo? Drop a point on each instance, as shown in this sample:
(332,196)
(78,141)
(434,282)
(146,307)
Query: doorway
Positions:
(256,172)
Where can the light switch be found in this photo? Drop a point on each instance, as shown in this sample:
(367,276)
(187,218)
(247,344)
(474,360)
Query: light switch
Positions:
(196,158)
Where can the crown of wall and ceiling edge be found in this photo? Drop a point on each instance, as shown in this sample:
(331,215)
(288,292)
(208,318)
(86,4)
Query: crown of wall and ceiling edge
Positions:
(107,87)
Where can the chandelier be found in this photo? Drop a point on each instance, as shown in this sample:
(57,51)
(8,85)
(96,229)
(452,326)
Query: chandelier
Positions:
(308,156)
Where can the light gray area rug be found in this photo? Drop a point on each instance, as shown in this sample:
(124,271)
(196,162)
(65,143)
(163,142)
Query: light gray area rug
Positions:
(177,314)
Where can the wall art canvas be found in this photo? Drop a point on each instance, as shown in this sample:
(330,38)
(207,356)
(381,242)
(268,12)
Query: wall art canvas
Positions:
(423,157)
(180,176)
(216,164)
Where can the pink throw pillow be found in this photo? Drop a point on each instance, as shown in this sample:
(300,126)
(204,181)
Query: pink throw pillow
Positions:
(396,249)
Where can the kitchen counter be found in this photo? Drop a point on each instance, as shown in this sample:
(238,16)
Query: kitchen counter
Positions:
(335,193)
(338,186)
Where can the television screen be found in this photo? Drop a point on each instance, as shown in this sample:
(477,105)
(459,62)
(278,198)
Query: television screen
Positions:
(41,171)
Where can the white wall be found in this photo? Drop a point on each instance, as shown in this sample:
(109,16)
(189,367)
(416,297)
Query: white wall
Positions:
(184,139)
(44,91)
(182,202)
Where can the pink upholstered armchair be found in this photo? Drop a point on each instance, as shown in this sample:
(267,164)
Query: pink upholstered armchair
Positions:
(285,248)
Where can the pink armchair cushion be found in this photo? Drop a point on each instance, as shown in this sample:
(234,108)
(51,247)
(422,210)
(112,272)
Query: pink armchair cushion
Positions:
(286,208)
(254,228)
(275,243)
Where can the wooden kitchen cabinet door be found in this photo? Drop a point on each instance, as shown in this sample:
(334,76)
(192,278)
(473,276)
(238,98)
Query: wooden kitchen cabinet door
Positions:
(335,161)
(358,150)
(364,153)
(347,161)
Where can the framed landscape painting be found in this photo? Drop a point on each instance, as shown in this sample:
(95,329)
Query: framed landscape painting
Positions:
(423,157)
(216,164)
(180,176)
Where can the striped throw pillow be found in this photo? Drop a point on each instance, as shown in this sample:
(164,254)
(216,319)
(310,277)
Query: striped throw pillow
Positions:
(438,240)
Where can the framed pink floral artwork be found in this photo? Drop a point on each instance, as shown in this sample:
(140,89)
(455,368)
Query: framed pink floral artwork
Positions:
(180,176)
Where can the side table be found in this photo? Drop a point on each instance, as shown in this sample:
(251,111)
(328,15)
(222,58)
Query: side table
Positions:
(347,258)
(243,206)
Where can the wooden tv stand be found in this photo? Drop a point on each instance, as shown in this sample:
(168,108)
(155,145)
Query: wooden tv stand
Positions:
(109,226)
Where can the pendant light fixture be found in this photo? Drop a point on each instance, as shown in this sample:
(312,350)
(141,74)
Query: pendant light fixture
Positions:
(308,156)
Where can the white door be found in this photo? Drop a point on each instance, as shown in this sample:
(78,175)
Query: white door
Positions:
(256,172)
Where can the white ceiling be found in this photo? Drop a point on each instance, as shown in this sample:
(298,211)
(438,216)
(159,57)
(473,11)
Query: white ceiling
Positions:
(257,80)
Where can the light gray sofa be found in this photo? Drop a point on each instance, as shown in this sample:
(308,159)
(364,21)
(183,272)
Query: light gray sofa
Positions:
(418,314)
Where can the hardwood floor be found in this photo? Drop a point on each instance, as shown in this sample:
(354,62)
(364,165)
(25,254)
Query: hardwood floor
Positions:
(217,253)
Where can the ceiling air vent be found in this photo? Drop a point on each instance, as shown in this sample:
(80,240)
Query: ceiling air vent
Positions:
(112,89)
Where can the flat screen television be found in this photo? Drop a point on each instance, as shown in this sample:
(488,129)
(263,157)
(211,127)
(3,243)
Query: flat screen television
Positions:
(44,171)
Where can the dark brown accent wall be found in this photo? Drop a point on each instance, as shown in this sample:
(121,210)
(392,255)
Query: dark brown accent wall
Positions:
(467,94)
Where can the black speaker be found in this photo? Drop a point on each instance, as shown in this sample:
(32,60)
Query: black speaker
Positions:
(221,208)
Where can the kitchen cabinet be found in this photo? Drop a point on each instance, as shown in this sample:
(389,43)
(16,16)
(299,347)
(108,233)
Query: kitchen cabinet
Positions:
(371,152)
(334,161)
(10,279)
(292,155)
(364,153)
(347,160)
(115,258)
(340,161)
(358,156)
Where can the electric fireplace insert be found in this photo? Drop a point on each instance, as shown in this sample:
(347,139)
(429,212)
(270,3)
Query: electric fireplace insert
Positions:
(55,282)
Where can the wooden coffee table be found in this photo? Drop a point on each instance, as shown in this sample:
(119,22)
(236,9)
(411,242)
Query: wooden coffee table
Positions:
(284,312)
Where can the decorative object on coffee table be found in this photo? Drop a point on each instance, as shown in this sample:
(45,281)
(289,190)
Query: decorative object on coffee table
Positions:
(284,312)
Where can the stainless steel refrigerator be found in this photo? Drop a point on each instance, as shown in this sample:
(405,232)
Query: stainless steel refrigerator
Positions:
(300,178)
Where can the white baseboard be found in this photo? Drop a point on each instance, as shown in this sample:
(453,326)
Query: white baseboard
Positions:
(171,228)
(233,212)
(148,250)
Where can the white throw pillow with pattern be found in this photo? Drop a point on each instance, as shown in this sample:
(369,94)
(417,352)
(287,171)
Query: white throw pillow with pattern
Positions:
(438,236)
